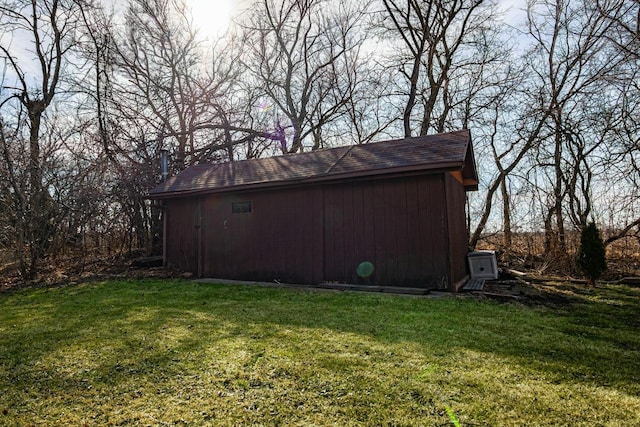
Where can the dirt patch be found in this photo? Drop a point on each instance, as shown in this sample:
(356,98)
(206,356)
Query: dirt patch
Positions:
(547,294)
(535,289)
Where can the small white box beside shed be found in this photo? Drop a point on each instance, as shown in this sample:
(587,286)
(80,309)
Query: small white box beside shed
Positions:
(483,265)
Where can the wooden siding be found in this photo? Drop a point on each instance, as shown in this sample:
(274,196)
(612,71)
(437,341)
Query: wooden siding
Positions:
(457,230)
(276,241)
(182,217)
(397,225)
(411,229)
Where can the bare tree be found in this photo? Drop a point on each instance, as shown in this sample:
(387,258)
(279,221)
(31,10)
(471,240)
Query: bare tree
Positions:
(166,79)
(623,123)
(507,146)
(302,53)
(625,30)
(154,85)
(564,123)
(49,28)
(436,38)
(571,63)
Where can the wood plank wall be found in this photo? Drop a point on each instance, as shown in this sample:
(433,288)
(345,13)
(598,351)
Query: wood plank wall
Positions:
(279,240)
(182,234)
(396,225)
(405,227)
(457,229)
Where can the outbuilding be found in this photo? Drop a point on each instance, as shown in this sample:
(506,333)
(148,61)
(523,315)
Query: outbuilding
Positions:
(388,213)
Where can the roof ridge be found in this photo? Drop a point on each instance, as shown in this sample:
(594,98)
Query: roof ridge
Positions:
(338,159)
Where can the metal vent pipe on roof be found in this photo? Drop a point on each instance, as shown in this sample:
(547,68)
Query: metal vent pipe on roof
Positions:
(164,164)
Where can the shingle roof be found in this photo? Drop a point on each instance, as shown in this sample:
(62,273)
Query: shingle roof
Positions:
(446,151)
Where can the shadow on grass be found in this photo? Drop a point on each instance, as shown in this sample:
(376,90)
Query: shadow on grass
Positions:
(151,328)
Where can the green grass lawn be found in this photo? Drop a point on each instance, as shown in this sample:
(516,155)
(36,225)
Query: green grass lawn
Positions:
(181,353)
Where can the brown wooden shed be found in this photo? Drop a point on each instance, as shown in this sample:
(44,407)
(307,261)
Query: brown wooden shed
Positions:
(388,213)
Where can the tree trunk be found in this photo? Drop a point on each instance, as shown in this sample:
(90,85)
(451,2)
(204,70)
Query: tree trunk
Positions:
(506,216)
(35,222)
(558,191)
(411,102)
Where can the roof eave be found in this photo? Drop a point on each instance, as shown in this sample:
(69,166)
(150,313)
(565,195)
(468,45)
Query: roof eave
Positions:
(470,185)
